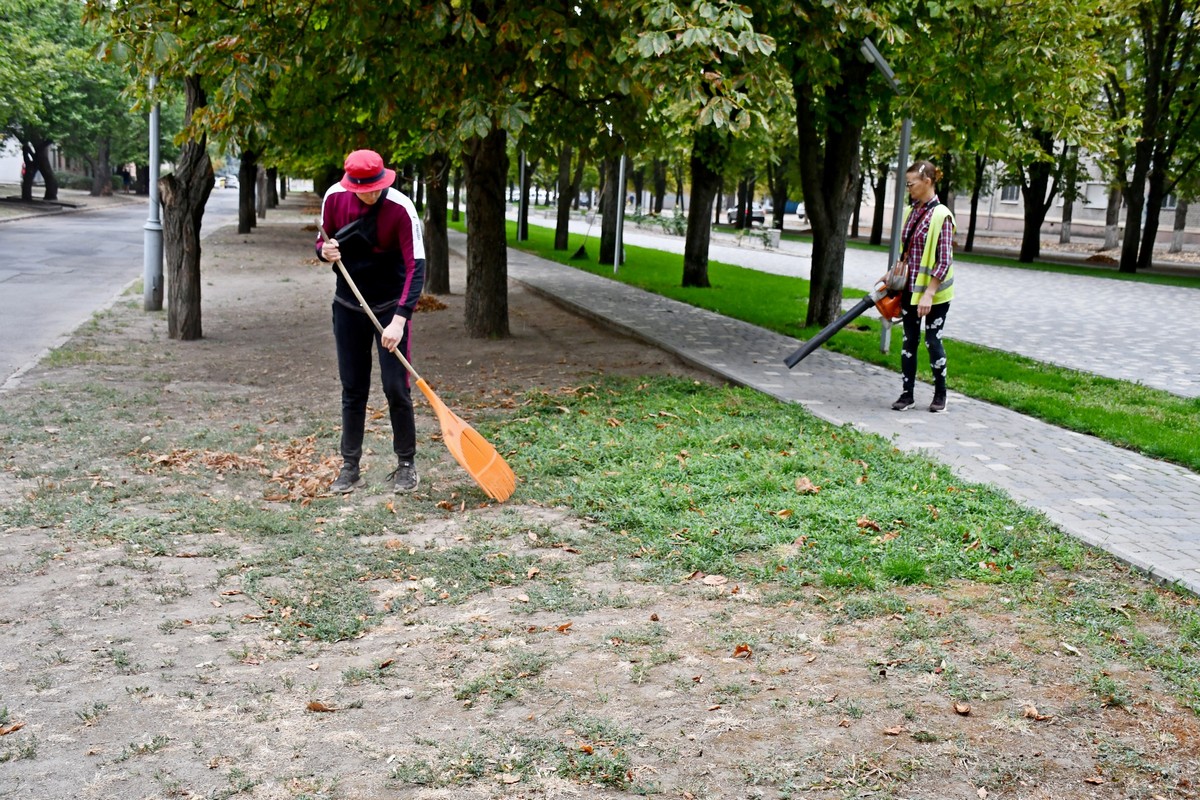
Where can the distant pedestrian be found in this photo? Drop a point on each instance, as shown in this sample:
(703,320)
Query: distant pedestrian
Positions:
(928,252)
(126,179)
(377,236)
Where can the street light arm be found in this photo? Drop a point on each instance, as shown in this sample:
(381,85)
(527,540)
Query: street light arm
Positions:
(872,54)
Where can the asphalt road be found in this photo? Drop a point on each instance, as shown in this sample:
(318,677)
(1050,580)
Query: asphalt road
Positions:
(59,269)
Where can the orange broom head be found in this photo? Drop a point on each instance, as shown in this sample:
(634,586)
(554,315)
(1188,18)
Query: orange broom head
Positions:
(473,452)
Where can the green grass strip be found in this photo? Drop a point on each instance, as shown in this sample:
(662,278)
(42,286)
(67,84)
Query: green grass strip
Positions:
(1150,421)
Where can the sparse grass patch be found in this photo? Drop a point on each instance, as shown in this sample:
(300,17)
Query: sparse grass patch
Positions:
(503,683)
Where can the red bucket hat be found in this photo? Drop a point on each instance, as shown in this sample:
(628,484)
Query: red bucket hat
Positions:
(365,172)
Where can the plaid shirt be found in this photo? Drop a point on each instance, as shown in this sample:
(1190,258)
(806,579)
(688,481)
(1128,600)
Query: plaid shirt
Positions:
(916,232)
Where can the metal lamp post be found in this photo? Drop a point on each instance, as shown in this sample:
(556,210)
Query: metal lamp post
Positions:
(872,54)
(152,253)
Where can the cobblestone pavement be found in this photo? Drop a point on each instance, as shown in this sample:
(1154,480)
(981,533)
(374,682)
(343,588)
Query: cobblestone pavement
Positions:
(1145,512)
(1135,332)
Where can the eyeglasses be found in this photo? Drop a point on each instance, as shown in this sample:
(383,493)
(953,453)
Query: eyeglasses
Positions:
(910,184)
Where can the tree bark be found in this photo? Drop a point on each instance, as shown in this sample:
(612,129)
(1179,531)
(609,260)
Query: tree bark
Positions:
(976,191)
(36,154)
(608,210)
(710,148)
(880,187)
(660,184)
(526,195)
(486,162)
(566,193)
(1156,193)
(639,184)
(1135,200)
(1070,188)
(102,171)
(829,165)
(1038,193)
(1178,229)
(260,192)
(777,185)
(272,187)
(1112,219)
(247,183)
(184,193)
(437,241)
(456,214)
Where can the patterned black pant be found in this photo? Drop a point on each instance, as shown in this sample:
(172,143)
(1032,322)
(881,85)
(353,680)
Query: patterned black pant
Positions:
(935,325)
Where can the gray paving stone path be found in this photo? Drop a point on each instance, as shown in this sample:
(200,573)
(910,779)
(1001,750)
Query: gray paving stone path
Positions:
(1145,512)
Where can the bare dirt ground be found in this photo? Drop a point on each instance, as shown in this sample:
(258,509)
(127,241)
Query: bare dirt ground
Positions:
(146,653)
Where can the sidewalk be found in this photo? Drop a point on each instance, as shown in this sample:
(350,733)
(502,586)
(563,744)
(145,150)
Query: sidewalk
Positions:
(1144,512)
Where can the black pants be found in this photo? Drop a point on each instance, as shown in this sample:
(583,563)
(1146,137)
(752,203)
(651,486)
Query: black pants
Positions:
(935,324)
(356,337)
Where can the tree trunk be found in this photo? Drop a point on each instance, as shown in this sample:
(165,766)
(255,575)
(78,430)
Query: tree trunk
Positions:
(639,184)
(141,182)
(184,193)
(858,197)
(976,191)
(710,148)
(829,172)
(260,193)
(609,203)
(1038,195)
(456,214)
(1070,188)
(719,210)
(1154,199)
(36,154)
(486,162)
(283,187)
(526,185)
(1181,211)
(1112,218)
(272,190)
(437,242)
(777,185)
(660,184)
(102,175)
(880,187)
(566,193)
(742,217)
(419,191)
(247,182)
(1135,199)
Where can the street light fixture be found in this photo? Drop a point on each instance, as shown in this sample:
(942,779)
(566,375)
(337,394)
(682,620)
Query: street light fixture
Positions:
(872,54)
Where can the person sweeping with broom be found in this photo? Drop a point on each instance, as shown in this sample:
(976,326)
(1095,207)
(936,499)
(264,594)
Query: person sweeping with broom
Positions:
(377,237)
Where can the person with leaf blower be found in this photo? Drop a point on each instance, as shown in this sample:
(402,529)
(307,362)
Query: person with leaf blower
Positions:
(378,238)
(927,267)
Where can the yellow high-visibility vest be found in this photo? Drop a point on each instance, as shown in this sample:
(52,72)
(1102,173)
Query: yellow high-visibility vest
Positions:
(945,292)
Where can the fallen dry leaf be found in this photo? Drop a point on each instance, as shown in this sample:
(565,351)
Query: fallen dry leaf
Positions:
(314,666)
(982,793)
(1095,780)
(586,748)
(894,731)
(16,726)
(320,708)
(714,707)
(962,709)
(522,598)
(866,523)
(654,617)
(805,486)
(386,664)
(1031,712)
(508,777)
(784,513)
(742,651)
(845,723)
(715,580)
(566,626)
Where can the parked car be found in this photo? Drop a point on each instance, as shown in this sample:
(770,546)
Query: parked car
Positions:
(756,214)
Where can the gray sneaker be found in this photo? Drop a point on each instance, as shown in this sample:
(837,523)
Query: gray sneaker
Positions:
(347,481)
(404,478)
